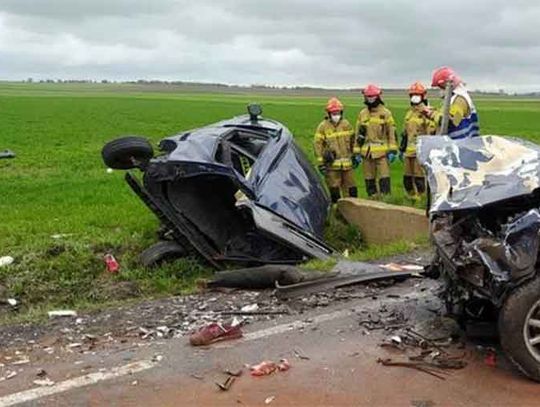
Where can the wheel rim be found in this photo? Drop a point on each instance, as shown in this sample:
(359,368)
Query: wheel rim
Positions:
(531,331)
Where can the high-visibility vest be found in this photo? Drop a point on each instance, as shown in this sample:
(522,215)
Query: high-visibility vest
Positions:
(469,126)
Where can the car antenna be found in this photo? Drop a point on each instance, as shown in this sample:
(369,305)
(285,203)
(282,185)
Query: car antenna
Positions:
(254,110)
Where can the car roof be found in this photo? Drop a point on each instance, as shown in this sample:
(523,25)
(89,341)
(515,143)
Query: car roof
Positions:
(199,145)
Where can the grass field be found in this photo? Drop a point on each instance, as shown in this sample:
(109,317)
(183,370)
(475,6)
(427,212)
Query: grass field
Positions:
(58,184)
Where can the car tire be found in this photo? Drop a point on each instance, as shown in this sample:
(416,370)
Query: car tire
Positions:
(127,152)
(161,252)
(516,329)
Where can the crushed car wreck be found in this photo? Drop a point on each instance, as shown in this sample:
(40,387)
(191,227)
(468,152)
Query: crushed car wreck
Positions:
(485,226)
(237,191)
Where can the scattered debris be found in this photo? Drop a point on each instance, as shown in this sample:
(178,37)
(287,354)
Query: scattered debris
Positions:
(300,355)
(364,273)
(44,382)
(250,308)
(268,400)
(226,385)
(62,313)
(268,367)
(215,332)
(12,301)
(10,374)
(110,262)
(403,267)
(41,373)
(6,261)
(196,376)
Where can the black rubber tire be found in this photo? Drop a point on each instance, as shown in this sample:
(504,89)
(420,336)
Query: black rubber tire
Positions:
(161,252)
(511,323)
(125,153)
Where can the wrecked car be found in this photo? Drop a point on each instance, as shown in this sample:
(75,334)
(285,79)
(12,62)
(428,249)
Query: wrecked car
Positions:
(237,191)
(485,225)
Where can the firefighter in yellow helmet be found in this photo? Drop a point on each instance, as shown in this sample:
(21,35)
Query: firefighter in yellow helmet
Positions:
(376,132)
(337,151)
(416,124)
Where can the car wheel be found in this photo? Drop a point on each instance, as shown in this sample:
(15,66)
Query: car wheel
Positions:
(127,152)
(519,328)
(161,252)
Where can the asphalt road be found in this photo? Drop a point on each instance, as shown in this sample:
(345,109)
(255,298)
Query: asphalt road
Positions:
(339,366)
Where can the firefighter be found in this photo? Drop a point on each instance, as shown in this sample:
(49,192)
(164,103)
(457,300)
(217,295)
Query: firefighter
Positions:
(416,124)
(375,130)
(463,121)
(337,151)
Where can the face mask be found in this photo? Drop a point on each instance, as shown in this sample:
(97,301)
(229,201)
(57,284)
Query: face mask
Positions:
(372,102)
(335,118)
(416,99)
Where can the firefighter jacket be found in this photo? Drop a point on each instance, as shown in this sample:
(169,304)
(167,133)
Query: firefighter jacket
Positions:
(335,144)
(416,124)
(376,131)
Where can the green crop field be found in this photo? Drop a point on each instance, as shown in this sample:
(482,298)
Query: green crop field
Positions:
(60,211)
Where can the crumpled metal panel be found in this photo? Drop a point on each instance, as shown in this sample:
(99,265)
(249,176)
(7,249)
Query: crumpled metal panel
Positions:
(515,254)
(473,172)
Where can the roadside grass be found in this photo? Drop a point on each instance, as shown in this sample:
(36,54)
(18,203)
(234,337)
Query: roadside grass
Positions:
(60,211)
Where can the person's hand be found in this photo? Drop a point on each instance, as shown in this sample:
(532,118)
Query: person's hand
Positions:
(391,157)
(428,111)
(322,169)
(356,160)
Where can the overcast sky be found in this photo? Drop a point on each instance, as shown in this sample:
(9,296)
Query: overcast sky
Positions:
(344,43)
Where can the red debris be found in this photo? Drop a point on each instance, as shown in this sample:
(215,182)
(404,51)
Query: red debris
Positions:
(112,265)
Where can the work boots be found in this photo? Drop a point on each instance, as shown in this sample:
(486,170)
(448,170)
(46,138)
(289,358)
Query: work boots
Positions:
(408,184)
(371,187)
(420,183)
(353,192)
(335,194)
(384,186)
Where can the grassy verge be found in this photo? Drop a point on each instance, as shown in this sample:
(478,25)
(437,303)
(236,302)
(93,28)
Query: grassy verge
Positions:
(58,185)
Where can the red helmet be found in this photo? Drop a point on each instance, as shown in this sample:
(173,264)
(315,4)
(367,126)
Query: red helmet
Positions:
(334,105)
(372,91)
(443,75)
(417,89)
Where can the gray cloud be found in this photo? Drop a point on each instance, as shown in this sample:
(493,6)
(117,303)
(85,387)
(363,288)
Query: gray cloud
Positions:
(492,43)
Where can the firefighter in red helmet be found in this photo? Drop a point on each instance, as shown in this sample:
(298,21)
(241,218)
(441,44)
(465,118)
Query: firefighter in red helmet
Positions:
(375,130)
(416,124)
(337,151)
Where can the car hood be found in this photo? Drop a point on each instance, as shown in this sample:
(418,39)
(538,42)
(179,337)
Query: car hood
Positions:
(474,172)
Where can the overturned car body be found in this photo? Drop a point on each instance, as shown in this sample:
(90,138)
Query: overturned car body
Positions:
(485,226)
(239,191)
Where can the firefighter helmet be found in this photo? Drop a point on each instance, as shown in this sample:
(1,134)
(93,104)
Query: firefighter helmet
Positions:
(417,88)
(443,75)
(334,105)
(371,91)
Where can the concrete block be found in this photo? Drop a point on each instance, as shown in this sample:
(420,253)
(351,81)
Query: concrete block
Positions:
(381,223)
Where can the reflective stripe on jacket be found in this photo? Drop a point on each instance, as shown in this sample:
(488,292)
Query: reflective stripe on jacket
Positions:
(337,141)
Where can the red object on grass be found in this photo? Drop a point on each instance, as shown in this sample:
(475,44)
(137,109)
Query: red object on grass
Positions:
(112,265)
